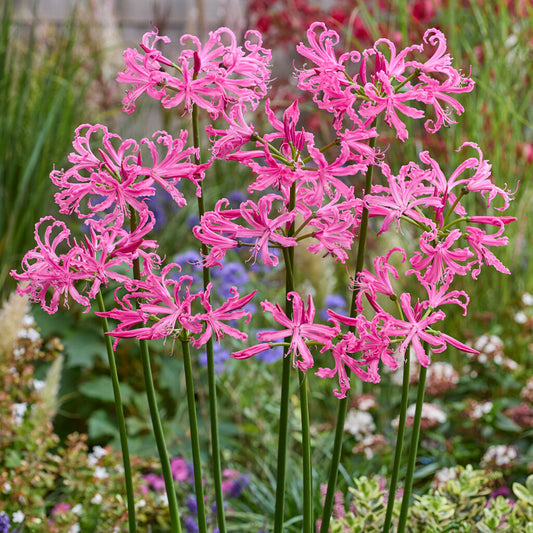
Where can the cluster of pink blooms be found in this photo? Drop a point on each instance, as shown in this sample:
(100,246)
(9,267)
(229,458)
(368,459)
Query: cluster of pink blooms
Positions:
(302,195)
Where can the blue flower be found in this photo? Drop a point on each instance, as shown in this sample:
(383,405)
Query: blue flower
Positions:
(335,302)
(4,523)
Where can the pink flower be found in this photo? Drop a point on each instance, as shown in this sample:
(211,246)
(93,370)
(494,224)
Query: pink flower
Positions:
(214,319)
(212,75)
(479,240)
(439,257)
(373,284)
(387,100)
(300,328)
(405,194)
(160,298)
(107,181)
(70,273)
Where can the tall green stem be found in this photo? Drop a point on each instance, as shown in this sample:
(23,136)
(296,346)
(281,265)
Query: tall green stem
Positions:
(399,444)
(195,441)
(413,451)
(281,473)
(175,526)
(343,403)
(211,379)
(306,457)
(120,416)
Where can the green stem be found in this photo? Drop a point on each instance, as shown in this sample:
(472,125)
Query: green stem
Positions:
(211,378)
(120,416)
(413,451)
(399,443)
(343,403)
(195,440)
(306,456)
(175,526)
(281,473)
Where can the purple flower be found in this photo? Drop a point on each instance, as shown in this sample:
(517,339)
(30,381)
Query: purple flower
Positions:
(4,523)
(190,524)
(190,503)
(335,302)
(220,356)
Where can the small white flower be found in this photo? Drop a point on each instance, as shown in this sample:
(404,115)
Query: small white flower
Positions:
(18,410)
(28,321)
(17,517)
(75,529)
(7,487)
(38,384)
(141,503)
(520,317)
(19,352)
(77,509)
(527,299)
(100,472)
(97,453)
(359,423)
(97,499)
(162,499)
(30,333)
(481,409)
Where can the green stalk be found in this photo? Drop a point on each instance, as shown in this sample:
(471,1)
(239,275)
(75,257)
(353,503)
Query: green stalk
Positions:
(399,444)
(175,526)
(281,473)
(211,378)
(343,403)
(195,441)
(408,486)
(306,457)
(120,416)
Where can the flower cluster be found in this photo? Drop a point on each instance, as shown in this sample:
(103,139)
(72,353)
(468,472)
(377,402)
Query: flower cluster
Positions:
(307,198)
(303,194)
(215,75)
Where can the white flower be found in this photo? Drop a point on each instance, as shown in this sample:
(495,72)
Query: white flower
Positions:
(500,455)
(480,409)
(162,499)
(75,529)
(359,423)
(100,472)
(97,499)
(520,317)
(30,333)
(527,299)
(77,509)
(97,453)
(18,410)
(38,384)
(141,503)
(17,517)
(19,352)
(28,321)
(488,344)
(7,487)
(430,412)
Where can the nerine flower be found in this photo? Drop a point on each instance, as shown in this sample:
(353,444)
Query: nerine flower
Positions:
(213,75)
(300,328)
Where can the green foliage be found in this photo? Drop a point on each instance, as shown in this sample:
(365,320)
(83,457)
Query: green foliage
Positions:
(43,83)
(461,505)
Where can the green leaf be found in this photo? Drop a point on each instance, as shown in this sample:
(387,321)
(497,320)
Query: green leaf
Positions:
(101,388)
(100,425)
(83,347)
